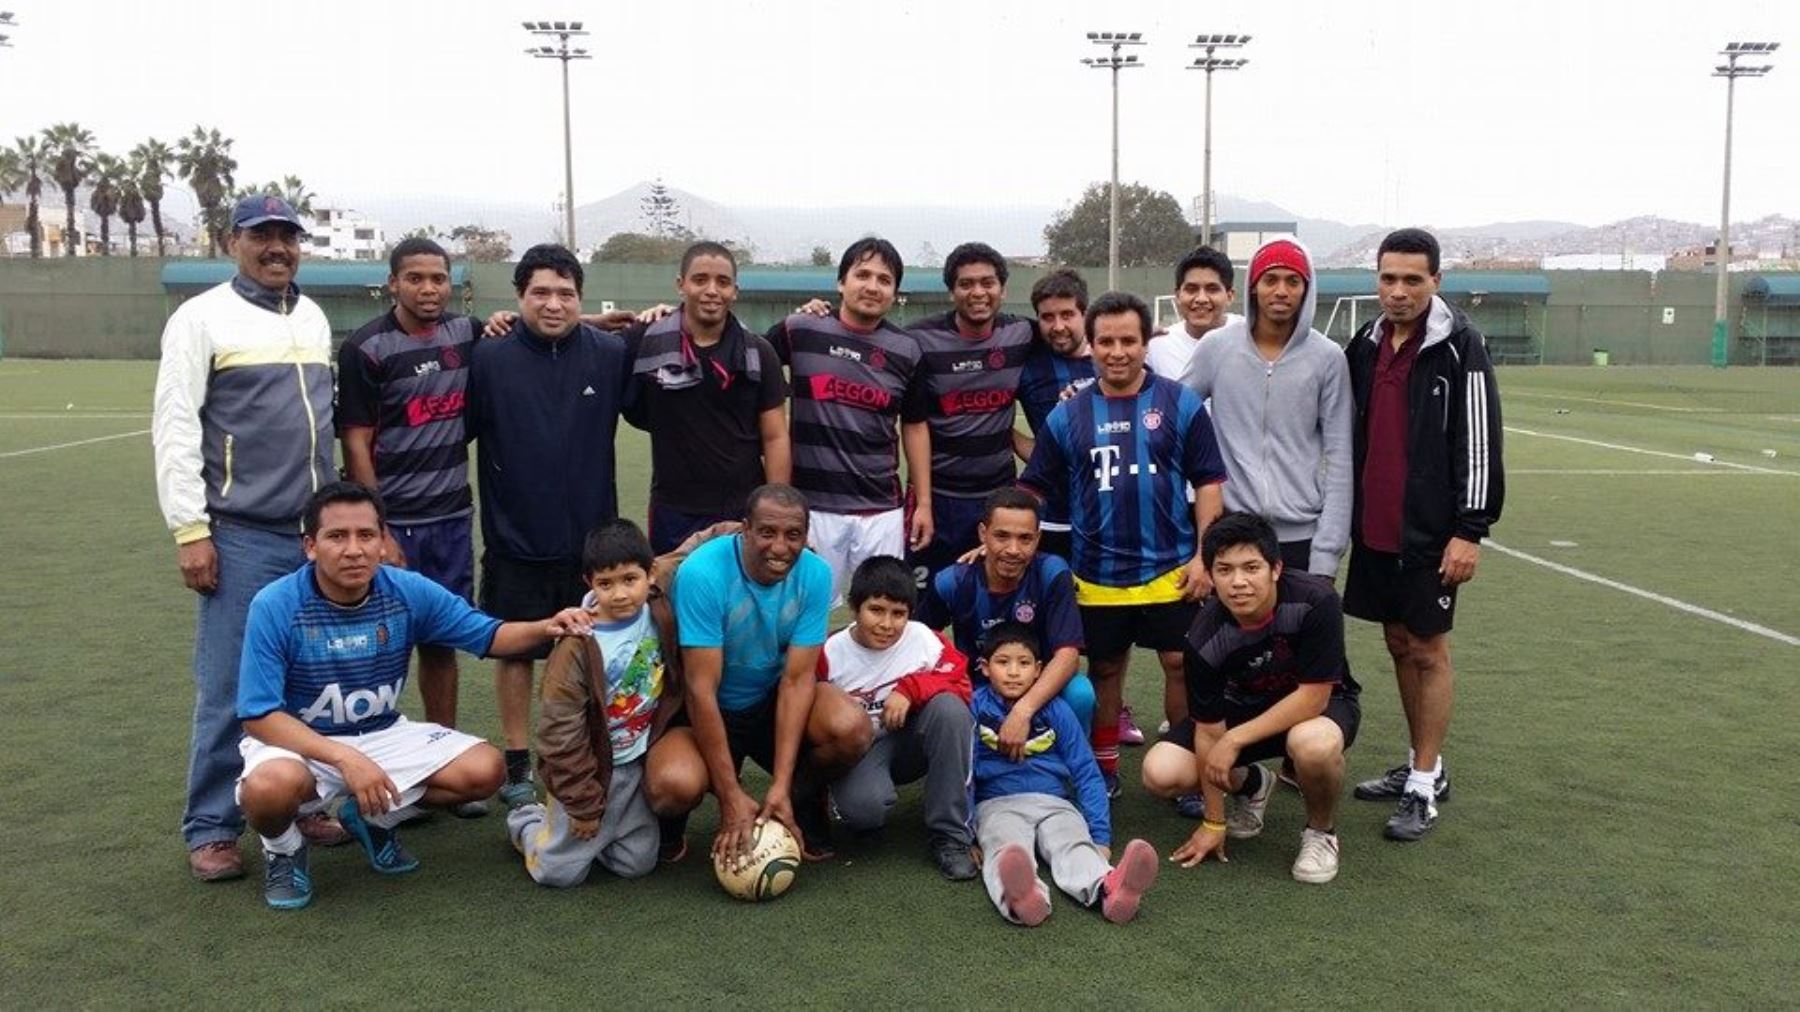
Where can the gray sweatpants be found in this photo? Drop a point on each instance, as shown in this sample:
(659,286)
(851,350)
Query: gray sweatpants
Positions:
(1044,825)
(625,845)
(937,744)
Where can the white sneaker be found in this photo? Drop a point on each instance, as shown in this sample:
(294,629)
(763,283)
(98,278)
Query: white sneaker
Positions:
(1245,816)
(1318,860)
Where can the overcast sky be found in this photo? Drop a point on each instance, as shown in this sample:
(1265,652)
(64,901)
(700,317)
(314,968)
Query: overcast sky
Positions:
(1399,112)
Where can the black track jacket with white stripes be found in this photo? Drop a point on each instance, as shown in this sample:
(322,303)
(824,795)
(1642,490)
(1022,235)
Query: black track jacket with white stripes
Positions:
(1455,482)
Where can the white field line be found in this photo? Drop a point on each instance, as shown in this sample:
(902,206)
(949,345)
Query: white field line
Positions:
(47,415)
(1679,605)
(1620,472)
(1623,404)
(1653,453)
(78,442)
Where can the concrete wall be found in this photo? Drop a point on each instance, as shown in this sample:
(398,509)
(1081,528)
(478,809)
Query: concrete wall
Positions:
(95,307)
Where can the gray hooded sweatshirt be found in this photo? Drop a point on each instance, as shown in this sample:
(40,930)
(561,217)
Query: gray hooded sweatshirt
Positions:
(1284,427)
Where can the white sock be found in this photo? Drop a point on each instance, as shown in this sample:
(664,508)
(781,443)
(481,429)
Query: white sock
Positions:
(1424,782)
(1411,757)
(287,844)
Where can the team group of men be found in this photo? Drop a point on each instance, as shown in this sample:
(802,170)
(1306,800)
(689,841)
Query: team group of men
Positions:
(1138,444)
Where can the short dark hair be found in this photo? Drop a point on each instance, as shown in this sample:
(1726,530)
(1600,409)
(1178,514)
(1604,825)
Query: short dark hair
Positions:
(1010,498)
(973,253)
(776,493)
(1062,283)
(1116,303)
(617,542)
(707,248)
(871,246)
(1240,528)
(883,576)
(1010,632)
(336,492)
(415,246)
(1209,258)
(551,257)
(1411,240)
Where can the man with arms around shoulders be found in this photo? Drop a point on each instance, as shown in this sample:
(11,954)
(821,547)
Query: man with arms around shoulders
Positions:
(1061,365)
(324,665)
(751,614)
(1266,678)
(1130,450)
(1429,484)
(543,407)
(402,389)
(1278,393)
(1203,295)
(241,428)
(971,360)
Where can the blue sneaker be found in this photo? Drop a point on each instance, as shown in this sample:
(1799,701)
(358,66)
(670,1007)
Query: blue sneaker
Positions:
(518,792)
(1191,806)
(286,883)
(382,845)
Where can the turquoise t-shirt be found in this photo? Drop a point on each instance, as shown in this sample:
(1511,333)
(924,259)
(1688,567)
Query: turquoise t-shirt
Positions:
(717,604)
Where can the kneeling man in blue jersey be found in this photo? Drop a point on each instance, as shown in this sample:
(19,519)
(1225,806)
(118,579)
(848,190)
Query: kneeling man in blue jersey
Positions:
(1136,456)
(1012,581)
(1266,678)
(325,657)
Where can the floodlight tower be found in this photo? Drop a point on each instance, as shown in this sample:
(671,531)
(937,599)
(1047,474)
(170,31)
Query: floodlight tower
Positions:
(6,21)
(562,30)
(1210,63)
(1115,63)
(1730,70)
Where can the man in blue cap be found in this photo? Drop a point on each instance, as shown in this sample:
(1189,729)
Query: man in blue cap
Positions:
(242,432)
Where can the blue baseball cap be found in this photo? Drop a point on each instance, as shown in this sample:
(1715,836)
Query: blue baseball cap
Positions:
(260,208)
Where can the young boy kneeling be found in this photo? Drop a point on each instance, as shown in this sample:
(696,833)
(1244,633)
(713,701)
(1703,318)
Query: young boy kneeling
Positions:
(606,699)
(1023,808)
(915,687)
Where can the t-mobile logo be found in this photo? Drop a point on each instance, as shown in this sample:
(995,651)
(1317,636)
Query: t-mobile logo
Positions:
(1106,466)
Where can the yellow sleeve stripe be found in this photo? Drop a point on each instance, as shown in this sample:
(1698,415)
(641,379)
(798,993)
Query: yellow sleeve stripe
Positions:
(237,358)
(188,533)
(1162,590)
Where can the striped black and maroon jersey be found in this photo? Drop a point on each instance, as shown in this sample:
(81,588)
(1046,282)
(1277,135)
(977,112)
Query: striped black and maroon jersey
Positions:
(972,383)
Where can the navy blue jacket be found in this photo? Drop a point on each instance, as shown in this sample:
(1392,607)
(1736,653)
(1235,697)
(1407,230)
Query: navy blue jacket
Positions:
(543,415)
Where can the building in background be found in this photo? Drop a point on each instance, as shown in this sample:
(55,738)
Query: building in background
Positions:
(1239,239)
(339,233)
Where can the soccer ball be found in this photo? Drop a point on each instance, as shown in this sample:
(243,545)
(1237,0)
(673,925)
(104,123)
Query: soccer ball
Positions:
(769,869)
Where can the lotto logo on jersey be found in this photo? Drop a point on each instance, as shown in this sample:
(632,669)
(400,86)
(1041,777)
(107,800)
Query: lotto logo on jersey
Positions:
(839,351)
(1107,468)
(334,707)
(843,391)
(1117,428)
(975,402)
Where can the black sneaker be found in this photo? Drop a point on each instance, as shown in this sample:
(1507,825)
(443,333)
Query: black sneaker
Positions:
(286,883)
(953,859)
(813,816)
(1391,785)
(1413,819)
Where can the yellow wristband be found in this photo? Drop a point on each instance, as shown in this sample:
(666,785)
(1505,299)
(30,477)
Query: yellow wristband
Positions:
(1216,827)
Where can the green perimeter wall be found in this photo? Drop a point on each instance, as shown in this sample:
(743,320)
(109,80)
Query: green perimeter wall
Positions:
(115,307)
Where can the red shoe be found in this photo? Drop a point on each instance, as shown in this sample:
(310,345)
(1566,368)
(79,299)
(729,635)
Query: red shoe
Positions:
(1020,890)
(1124,886)
(217,861)
(322,829)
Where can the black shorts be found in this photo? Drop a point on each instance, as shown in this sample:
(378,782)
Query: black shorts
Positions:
(1297,555)
(1344,711)
(1386,588)
(954,520)
(1112,630)
(1057,542)
(518,591)
(749,733)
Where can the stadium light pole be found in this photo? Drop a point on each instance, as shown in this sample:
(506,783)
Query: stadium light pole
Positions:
(1210,63)
(6,21)
(561,51)
(1115,63)
(1730,70)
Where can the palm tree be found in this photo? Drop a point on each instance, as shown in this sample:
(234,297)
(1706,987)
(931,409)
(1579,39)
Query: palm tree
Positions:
(131,201)
(152,158)
(107,172)
(204,159)
(32,155)
(72,145)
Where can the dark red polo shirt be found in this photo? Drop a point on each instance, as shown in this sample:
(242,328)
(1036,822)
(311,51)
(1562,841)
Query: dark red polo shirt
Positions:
(1384,463)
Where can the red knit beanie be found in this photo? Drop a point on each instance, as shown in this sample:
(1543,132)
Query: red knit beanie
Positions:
(1280,253)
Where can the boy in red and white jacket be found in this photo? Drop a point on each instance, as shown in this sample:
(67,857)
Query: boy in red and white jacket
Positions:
(915,687)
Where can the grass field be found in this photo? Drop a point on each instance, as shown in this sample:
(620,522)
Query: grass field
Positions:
(1625,829)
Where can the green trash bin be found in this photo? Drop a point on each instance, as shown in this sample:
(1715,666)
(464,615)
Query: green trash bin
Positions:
(1602,356)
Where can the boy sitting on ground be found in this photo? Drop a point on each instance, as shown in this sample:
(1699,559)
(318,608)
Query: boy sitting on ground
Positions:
(915,687)
(606,699)
(1023,808)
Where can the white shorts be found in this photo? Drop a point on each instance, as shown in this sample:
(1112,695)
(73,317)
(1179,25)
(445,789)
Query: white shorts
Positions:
(844,540)
(408,752)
